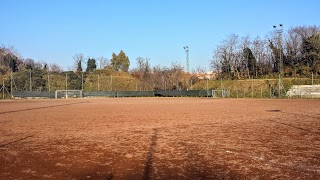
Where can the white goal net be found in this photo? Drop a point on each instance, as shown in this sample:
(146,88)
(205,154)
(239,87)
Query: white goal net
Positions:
(68,94)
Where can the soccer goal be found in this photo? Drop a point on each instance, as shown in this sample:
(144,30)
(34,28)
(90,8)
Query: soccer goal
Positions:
(68,94)
(220,93)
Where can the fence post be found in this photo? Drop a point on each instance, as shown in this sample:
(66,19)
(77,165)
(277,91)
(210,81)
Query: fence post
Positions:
(30,85)
(252,88)
(2,88)
(207,88)
(82,81)
(312,86)
(111,83)
(237,93)
(66,80)
(270,91)
(98,82)
(11,83)
(48,81)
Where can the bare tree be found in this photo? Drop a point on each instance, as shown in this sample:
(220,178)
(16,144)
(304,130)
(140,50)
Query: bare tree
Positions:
(259,49)
(55,68)
(103,62)
(293,42)
(78,62)
(228,56)
(200,70)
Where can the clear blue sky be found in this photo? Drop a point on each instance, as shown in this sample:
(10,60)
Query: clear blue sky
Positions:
(54,31)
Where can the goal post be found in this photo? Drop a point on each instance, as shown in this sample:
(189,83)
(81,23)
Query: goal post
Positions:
(68,94)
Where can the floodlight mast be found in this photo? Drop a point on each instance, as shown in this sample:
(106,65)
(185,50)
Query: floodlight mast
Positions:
(186,48)
(279,32)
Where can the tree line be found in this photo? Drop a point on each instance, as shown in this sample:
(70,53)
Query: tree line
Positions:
(242,57)
(29,74)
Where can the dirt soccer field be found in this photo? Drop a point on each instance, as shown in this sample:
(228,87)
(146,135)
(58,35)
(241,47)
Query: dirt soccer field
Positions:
(160,138)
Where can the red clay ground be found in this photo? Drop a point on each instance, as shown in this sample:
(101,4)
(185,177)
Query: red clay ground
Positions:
(160,138)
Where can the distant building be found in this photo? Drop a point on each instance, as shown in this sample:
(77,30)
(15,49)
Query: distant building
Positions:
(208,75)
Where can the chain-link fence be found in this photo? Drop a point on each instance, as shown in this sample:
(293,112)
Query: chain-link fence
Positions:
(39,83)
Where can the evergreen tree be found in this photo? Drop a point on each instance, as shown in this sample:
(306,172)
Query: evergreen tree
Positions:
(251,60)
(123,61)
(311,52)
(120,62)
(275,52)
(114,62)
(13,63)
(79,66)
(45,67)
(91,65)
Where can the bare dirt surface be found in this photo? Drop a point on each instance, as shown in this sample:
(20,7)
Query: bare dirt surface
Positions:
(160,138)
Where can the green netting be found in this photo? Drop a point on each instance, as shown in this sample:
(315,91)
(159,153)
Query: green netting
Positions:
(135,94)
(33,94)
(205,93)
(100,94)
(182,93)
(170,93)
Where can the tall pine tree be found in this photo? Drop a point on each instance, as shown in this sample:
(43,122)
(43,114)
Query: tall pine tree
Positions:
(91,65)
(120,62)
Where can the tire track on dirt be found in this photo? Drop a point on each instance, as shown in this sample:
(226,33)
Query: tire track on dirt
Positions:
(45,107)
(15,141)
(150,156)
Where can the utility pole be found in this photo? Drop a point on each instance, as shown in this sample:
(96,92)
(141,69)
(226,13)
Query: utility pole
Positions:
(279,32)
(186,48)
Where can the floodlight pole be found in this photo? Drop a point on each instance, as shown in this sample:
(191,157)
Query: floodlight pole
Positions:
(186,48)
(279,32)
